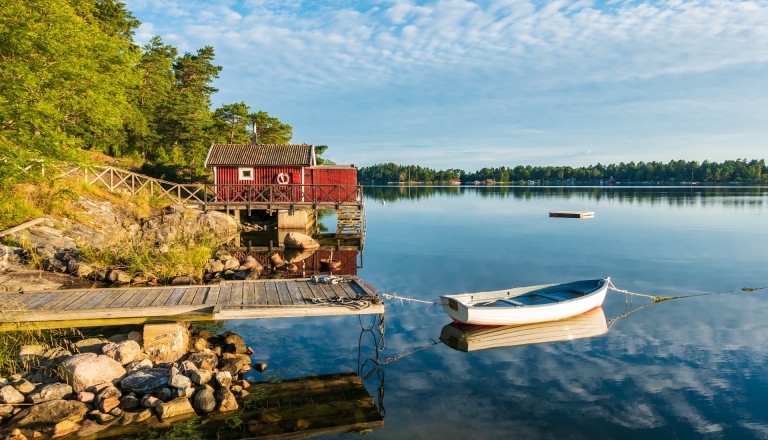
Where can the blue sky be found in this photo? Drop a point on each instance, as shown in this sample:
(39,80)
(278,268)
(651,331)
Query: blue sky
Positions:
(468,84)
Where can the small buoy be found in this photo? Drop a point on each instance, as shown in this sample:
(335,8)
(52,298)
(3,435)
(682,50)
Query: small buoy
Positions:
(383,202)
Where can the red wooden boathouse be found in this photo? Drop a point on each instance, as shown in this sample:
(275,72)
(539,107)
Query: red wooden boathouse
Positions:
(253,173)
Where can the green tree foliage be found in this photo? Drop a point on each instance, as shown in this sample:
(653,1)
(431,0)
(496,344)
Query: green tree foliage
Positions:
(270,130)
(236,116)
(67,75)
(740,170)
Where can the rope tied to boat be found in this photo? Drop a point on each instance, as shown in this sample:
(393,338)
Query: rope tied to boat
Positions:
(403,298)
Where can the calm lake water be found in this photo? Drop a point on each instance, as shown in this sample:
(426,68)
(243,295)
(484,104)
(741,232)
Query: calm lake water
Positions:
(685,368)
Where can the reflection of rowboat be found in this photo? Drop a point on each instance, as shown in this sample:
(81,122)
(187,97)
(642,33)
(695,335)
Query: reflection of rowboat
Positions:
(467,337)
(526,305)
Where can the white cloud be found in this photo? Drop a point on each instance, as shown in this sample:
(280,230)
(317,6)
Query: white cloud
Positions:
(516,65)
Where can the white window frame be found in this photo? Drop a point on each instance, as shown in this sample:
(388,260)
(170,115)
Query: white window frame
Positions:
(241,175)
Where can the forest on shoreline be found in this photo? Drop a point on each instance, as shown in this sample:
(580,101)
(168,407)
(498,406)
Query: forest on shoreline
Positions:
(674,172)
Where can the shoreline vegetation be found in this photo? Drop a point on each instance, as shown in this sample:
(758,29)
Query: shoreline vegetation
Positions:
(675,172)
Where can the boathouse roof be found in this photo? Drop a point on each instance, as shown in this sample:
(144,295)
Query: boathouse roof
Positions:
(260,154)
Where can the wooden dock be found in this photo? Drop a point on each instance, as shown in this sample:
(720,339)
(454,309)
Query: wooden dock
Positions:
(572,214)
(226,300)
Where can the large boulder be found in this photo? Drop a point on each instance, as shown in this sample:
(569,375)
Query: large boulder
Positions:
(145,381)
(297,240)
(10,395)
(175,407)
(87,369)
(204,401)
(225,399)
(166,342)
(48,414)
(53,391)
(124,352)
(179,222)
(205,355)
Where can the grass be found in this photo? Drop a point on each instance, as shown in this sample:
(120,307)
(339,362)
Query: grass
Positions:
(11,342)
(181,258)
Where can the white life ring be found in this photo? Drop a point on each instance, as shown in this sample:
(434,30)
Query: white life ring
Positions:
(283,178)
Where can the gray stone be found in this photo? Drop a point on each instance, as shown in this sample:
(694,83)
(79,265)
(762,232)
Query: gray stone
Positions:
(138,365)
(64,428)
(108,404)
(90,345)
(200,377)
(179,381)
(119,276)
(175,407)
(54,356)
(166,342)
(53,264)
(85,396)
(48,414)
(10,395)
(205,355)
(221,254)
(214,266)
(232,264)
(225,399)
(223,379)
(23,386)
(185,392)
(234,365)
(143,415)
(29,353)
(87,369)
(108,391)
(5,409)
(124,352)
(204,401)
(182,280)
(297,240)
(79,269)
(165,394)
(53,391)
(103,419)
(145,381)
(150,401)
(129,402)
(250,263)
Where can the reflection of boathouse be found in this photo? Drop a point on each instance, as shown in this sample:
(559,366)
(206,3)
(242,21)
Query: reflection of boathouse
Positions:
(285,179)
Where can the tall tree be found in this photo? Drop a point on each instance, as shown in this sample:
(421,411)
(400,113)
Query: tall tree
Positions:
(269,130)
(236,116)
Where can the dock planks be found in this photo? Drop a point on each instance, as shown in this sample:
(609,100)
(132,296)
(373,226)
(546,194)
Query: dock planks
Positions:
(226,300)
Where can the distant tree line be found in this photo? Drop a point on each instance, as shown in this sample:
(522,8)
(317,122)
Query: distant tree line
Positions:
(72,78)
(740,170)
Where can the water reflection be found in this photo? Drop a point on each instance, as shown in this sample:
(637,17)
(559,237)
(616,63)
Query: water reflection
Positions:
(463,337)
(671,195)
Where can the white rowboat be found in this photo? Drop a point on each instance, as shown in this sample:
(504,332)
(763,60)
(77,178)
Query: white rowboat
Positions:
(526,305)
(468,337)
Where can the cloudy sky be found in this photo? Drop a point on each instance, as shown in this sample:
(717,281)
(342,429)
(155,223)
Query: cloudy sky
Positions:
(468,84)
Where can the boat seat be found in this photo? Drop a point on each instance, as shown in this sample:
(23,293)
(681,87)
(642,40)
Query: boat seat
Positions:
(553,298)
(512,301)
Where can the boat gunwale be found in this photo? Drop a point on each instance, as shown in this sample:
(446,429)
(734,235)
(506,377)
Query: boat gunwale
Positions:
(523,290)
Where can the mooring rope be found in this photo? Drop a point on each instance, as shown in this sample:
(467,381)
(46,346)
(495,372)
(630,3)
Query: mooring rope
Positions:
(611,286)
(402,298)
(344,302)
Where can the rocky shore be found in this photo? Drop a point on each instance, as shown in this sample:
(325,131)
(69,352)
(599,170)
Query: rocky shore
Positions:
(149,376)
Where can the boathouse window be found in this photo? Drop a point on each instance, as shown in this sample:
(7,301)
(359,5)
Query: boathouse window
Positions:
(245,173)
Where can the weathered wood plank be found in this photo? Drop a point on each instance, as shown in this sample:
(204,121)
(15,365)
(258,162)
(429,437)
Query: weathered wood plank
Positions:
(249,293)
(212,295)
(162,297)
(237,294)
(66,302)
(175,297)
(109,299)
(189,295)
(124,298)
(329,292)
(283,295)
(272,298)
(22,226)
(316,290)
(293,290)
(199,297)
(225,297)
(95,299)
(144,297)
(260,293)
(40,300)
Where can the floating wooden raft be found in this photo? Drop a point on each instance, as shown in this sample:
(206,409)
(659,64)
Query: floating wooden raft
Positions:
(227,300)
(572,214)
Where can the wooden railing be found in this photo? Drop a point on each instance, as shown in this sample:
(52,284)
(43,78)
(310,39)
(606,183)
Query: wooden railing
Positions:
(272,196)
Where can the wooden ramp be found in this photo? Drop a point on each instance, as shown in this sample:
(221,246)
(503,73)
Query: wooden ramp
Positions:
(227,300)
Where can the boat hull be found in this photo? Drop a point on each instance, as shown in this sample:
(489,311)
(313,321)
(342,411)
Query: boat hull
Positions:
(463,308)
(468,337)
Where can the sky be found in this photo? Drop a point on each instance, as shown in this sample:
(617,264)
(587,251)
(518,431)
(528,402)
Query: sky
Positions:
(473,84)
